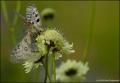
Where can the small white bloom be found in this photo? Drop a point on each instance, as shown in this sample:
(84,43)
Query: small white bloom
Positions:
(30,64)
(72,71)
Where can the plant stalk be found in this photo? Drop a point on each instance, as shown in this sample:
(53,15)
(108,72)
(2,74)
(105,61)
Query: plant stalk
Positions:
(90,34)
(54,68)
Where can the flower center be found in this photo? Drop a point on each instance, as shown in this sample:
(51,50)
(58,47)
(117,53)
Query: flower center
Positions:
(48,16)
(71,72)
(52,44)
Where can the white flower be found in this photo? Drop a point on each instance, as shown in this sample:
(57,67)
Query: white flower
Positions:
(55,42)
(72,71)
(31,64)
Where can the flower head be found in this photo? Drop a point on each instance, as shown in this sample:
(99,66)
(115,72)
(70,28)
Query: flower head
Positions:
(55,42)
(72,71)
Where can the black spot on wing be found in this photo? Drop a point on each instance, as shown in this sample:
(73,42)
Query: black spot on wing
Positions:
(33,12)
(35,41)
(36,15)
(38,20)
(18,46)
(15,49)
(32,22)
(25,40)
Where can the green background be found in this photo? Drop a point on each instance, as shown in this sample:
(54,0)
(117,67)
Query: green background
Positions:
(73,19)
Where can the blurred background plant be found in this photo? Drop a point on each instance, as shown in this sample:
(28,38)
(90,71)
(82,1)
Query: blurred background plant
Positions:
(76,20)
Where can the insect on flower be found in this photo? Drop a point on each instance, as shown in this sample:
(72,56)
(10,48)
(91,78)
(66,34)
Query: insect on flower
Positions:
(27,47)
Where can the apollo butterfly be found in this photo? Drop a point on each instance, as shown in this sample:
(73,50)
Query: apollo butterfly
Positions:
(27,47)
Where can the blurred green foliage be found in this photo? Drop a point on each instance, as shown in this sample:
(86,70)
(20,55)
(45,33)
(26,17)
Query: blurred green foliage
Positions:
(72,19)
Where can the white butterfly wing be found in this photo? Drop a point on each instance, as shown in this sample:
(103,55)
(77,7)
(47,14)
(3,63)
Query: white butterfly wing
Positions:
(22,50)
(26,48)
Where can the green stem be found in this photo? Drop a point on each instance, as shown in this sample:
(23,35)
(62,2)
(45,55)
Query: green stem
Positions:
(48,72)
(46,68)
(49,76)
(4,8)
(49,68)
(54,68)
(18,7)
(89,41)
(12,30)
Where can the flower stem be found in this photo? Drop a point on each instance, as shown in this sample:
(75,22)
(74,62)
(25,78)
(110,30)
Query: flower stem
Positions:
(90,34)
(54,68)
(49,77)
(46,68)
(49,68)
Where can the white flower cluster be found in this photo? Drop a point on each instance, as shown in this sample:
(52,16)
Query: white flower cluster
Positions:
(72,71)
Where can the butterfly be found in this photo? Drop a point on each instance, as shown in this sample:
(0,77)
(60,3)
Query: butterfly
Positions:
(27,47)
